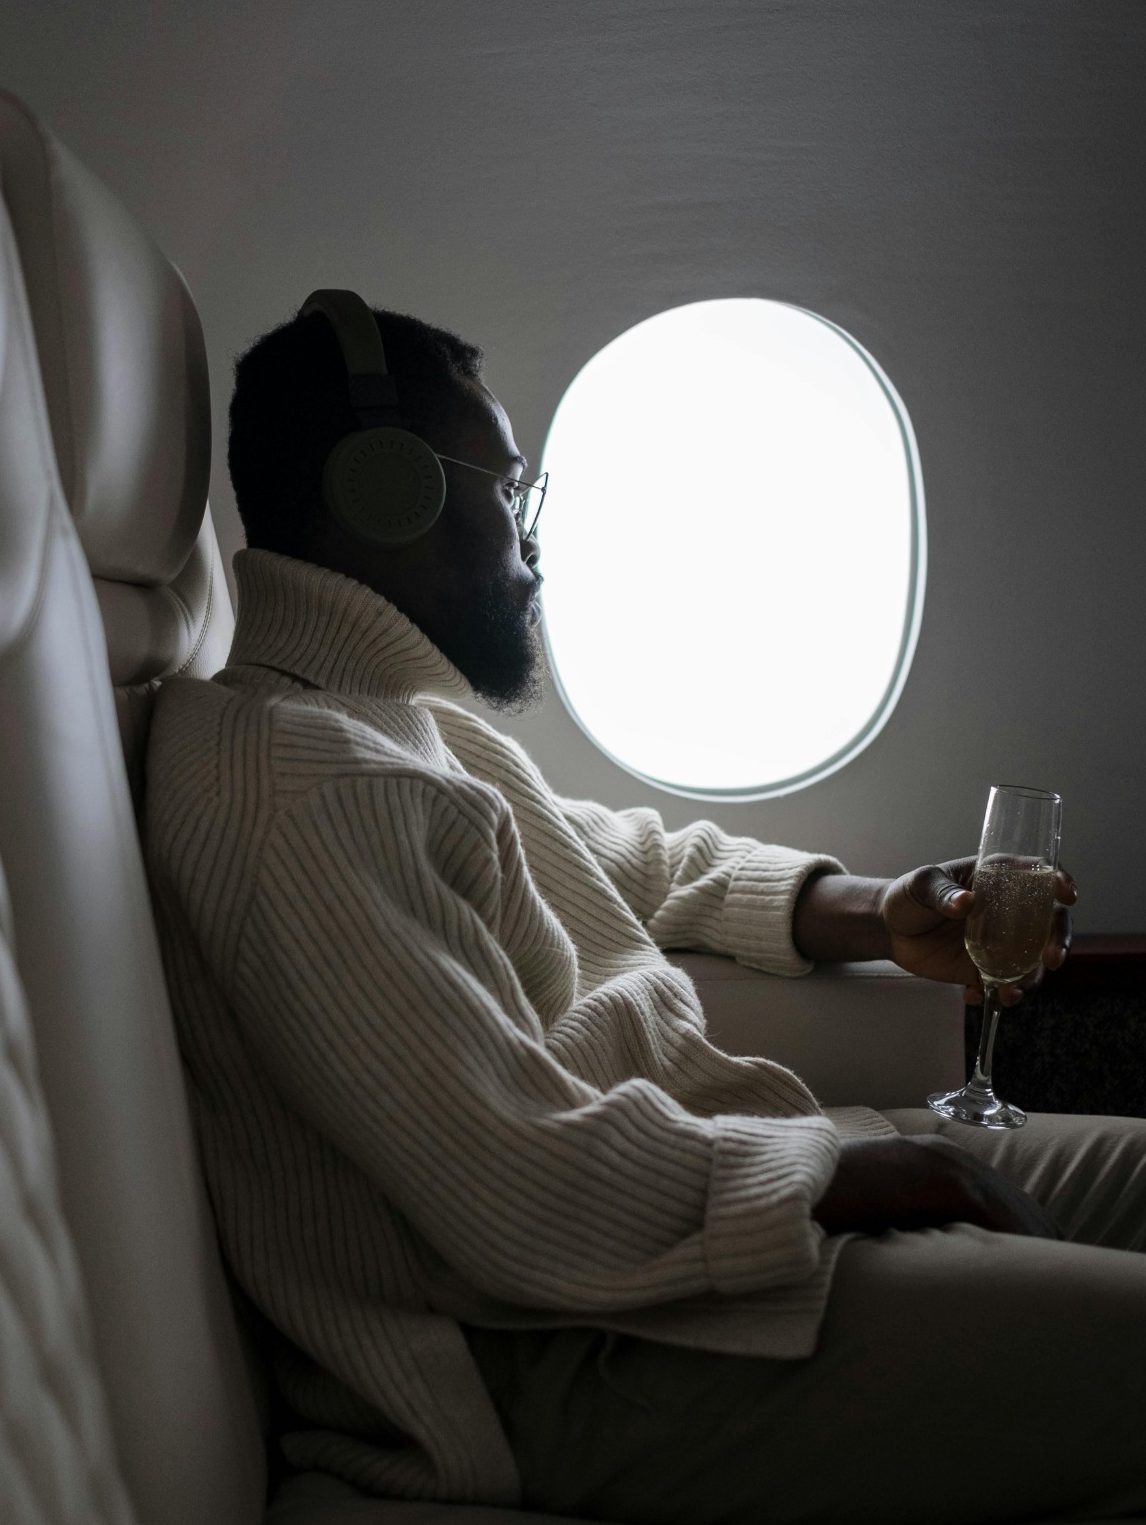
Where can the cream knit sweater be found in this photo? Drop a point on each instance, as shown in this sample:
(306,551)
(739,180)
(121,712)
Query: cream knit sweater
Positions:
(441,1071)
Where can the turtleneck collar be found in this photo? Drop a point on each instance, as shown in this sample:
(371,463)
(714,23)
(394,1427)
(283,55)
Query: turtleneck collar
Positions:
(334,632)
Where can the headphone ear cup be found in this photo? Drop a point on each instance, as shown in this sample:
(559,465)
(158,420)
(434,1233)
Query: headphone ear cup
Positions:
(386,486)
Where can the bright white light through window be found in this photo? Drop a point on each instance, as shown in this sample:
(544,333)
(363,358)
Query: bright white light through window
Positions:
(733,547)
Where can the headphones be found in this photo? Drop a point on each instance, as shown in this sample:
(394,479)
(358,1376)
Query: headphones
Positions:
(382,483)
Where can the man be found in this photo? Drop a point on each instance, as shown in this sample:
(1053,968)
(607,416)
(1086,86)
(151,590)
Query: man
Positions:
(524,1235)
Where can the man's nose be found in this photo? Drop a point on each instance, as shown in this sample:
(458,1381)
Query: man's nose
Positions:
(530,551)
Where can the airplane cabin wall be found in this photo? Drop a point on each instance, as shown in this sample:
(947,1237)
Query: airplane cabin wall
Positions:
(957,184)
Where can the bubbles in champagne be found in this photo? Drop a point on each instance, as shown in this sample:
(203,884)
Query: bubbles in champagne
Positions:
(1011,921)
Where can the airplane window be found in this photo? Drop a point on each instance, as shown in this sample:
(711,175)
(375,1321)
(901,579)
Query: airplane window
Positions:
(734,548)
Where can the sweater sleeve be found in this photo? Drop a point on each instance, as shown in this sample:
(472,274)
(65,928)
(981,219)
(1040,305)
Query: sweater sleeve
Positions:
(373,986)
(700,888)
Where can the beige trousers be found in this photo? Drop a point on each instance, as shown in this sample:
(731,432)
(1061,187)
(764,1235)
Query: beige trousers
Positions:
(960,1375)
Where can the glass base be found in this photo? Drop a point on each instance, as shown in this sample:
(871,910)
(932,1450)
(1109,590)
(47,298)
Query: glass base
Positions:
(977,1105)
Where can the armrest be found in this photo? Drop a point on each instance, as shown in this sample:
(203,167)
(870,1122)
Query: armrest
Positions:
(856,1034)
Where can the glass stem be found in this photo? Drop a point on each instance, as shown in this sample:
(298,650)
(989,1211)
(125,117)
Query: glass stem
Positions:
(981,1079)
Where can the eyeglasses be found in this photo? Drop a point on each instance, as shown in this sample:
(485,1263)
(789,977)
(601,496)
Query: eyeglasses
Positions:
(527,496)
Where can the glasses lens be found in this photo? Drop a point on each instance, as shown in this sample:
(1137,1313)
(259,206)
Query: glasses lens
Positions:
(532,497)
(528,510)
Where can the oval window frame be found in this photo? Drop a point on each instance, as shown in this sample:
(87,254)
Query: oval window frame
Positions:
(913,614)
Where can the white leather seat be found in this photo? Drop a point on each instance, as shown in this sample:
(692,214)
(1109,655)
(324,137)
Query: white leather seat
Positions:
(57,1458)
(110,581)
(118,403)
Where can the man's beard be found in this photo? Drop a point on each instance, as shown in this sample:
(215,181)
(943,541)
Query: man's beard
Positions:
(496,645)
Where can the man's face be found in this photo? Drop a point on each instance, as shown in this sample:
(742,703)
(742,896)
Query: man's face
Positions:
(488,621)
(470,583)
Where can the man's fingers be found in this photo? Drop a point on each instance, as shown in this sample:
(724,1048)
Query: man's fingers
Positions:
(943,887)
(962,870)
(1011,995)
(953,885)
(1058,944)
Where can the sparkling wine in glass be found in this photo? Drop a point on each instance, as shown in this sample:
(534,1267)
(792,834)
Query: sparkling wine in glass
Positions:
(1007,929)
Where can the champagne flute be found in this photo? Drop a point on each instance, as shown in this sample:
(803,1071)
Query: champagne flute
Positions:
(1007,930)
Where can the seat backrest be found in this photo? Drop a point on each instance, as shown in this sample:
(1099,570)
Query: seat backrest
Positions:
(57,1458)
(124,374)
(106,553)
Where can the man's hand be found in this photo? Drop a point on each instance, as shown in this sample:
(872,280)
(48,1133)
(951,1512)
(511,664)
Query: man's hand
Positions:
(922,1181)
(924,913)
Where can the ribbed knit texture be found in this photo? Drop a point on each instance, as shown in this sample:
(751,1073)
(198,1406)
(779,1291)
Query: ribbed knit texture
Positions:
(440,1068)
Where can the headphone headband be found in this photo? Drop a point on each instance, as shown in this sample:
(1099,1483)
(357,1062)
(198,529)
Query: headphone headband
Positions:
(373,395)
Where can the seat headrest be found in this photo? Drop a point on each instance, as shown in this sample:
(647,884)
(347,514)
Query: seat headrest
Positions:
(122,357)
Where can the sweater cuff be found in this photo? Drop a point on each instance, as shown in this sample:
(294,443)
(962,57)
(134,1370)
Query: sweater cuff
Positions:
(759,905)
(758,1229)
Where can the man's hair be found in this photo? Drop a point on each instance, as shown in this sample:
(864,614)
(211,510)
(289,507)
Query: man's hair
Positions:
(291,406)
